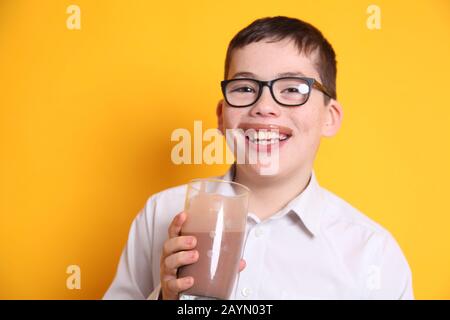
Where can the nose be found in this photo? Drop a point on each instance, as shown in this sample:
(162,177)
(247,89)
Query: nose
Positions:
(266,106)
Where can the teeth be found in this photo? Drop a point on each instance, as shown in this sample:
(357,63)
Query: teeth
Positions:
(265,137)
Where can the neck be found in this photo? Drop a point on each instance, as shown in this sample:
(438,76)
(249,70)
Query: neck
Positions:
(269,194)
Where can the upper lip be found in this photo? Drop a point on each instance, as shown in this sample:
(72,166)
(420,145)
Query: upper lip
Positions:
(266,126)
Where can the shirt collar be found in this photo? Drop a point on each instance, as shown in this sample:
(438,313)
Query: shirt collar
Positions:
(308,205)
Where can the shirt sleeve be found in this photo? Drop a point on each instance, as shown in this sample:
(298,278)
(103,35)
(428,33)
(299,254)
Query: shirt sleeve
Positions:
(155,295)
(133,278)
(391,279)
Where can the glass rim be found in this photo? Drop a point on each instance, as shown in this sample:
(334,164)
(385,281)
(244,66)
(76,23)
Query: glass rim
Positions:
(247,189)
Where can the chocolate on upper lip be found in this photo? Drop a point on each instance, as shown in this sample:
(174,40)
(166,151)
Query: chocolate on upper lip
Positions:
(267,126)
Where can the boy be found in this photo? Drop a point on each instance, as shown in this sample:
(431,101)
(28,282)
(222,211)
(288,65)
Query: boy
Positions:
(302,241)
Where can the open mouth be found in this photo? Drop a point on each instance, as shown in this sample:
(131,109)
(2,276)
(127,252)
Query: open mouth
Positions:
(266,134)
(263,137)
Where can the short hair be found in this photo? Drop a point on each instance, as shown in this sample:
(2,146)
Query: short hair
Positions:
(307,38)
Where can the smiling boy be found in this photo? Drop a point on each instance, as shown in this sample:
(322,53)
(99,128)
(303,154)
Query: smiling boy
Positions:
(302,241)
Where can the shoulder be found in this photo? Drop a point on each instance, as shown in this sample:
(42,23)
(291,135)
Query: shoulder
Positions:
(355,231)
(167,195)
(366,246)
(162,206)
(340,211)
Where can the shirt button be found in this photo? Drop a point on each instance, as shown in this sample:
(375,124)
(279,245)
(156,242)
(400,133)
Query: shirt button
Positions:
(246,292)
(258,232)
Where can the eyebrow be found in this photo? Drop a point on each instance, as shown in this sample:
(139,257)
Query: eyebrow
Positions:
(246,74)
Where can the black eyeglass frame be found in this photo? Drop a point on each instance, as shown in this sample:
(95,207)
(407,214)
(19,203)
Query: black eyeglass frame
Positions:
(312,83)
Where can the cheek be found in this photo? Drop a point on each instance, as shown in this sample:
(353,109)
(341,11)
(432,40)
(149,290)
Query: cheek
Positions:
(307,122)
(231,117)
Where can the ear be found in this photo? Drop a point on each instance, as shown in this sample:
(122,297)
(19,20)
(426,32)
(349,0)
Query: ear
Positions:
(332,118)
(219,113)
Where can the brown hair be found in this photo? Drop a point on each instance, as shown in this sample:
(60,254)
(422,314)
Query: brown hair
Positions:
(306,37)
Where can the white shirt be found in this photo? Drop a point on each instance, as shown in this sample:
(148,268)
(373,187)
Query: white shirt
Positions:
(317,247)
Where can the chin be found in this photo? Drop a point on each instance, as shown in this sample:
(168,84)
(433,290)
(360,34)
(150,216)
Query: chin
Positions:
(273,170)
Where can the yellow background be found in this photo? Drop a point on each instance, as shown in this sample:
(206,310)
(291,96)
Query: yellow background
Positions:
(86,118)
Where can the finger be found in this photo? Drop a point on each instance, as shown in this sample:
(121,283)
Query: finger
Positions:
(177,222)
(242,265)
(181,284)
(182,258)
(176,244)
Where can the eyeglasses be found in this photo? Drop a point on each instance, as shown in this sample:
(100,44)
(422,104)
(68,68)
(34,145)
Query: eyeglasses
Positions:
(286,91)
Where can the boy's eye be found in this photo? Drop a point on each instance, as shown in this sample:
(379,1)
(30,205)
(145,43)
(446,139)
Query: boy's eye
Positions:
(290,90)
(243,89)
(294,89)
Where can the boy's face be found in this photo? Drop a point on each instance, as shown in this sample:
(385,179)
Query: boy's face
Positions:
(306,123)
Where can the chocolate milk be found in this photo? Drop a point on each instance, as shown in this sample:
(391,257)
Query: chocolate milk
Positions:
(218,222)
(215,271)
